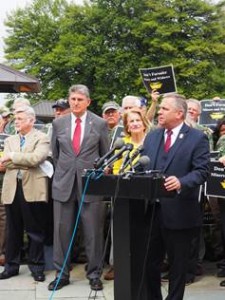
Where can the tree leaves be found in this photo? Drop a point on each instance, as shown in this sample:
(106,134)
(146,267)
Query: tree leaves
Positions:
(104,43)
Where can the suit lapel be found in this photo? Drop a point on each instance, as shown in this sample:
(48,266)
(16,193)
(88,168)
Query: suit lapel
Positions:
(16,143)
(87,130)
(67,126)
(28,140)
(156,148)
(179,141)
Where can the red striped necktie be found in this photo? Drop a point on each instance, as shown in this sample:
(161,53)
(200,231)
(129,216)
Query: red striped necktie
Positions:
(77,136)
(167,144)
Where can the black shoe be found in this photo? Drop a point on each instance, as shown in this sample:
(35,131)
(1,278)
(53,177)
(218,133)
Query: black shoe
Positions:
(221,264)
(221,273)
(7,274)
(222,283)
(165,277)
(96,284)
(199,270)
(189,281)
(61,284)
(38,276)
(164,267)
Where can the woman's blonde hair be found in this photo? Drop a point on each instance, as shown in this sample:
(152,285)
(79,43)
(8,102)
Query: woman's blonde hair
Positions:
(138,111)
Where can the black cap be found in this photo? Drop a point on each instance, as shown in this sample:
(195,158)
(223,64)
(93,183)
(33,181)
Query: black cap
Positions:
(62,103)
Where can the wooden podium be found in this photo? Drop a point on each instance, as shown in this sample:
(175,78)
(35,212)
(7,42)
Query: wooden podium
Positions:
(131,196)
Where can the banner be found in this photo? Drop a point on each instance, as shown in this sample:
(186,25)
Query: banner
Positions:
(161,79)
(215,185)
(212,112)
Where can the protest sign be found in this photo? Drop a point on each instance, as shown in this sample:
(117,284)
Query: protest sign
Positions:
(212,112)
(160,78)
(215,185)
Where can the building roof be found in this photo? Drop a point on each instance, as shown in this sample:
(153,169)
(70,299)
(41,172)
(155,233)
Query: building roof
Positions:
(44,109)
(13,81)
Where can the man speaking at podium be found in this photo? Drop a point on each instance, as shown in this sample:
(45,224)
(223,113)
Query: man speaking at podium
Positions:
(182,154)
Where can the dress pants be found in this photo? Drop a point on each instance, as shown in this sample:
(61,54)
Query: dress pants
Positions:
(2,221)
(221,204)
(176,243)
(29,216)
(92,218)
(2,229)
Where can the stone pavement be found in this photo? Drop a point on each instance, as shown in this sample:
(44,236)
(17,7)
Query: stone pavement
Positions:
(23,287)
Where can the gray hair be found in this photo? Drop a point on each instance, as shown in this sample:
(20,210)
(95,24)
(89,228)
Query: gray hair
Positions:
(79,88)
(180,102)
(197,102)
(134,99)
(20,102)
(28,110)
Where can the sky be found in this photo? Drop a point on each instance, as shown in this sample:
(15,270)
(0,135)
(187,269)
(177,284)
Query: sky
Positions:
(6,7)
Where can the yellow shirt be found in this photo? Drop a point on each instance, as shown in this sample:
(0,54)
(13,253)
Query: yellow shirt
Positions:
(118,163)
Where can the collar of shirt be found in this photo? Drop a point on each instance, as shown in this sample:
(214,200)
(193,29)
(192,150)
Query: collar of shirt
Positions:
(73,123)
(26,135)
(174,136)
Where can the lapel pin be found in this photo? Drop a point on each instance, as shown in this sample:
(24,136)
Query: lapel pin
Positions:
(181,135)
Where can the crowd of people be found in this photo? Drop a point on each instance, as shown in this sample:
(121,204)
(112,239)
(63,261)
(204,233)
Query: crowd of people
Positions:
(170,136)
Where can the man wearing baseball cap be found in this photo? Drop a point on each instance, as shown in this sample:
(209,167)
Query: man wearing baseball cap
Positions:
(111,113)
(61,107)
(5,119)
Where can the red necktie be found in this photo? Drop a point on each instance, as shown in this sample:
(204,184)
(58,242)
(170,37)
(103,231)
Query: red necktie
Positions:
(77,136)
(168,140)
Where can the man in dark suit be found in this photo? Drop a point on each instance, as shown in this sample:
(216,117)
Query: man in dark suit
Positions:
(182,154)
(77,140)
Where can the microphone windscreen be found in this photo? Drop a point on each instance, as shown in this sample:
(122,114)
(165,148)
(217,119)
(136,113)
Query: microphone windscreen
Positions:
(129,146)
(144,160)
(141,148)
(119,143)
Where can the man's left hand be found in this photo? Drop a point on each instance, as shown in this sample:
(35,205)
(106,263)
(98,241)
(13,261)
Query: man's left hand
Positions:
(172,183)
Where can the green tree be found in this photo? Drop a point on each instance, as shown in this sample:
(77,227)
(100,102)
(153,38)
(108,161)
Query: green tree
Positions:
(190,36)
(104,43)
(33,35)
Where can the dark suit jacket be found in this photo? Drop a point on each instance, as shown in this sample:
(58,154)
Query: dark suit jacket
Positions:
(188,159)
(69,166)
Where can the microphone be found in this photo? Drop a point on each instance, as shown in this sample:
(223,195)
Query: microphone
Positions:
(142,162)
(126,157)
(119,143)
(116,156)
(139,150)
